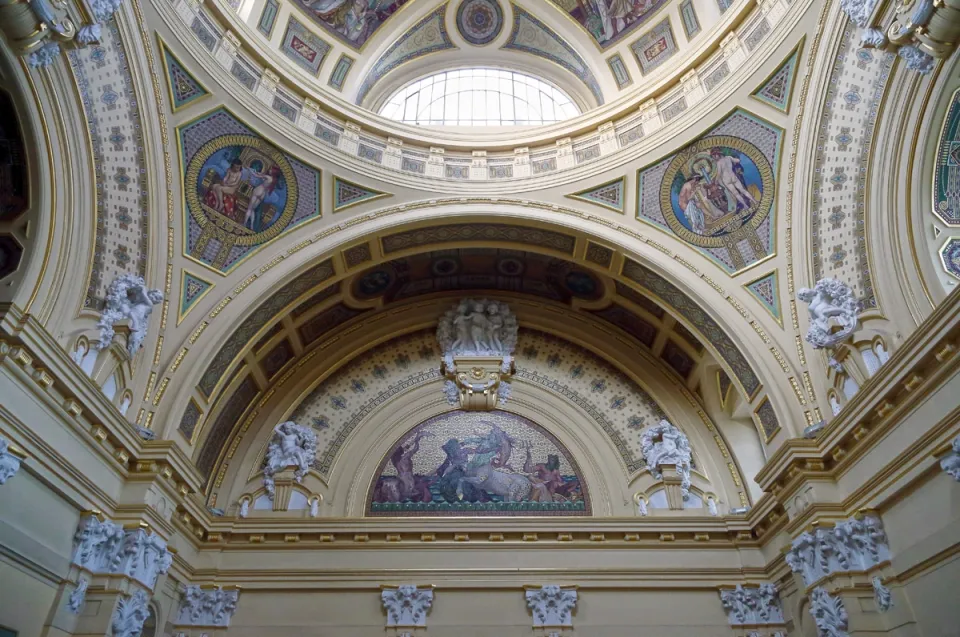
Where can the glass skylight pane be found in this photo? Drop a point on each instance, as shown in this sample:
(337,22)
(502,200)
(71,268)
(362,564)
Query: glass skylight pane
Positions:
(479,97)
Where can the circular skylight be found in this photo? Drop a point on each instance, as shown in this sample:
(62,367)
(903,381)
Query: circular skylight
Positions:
(479,97)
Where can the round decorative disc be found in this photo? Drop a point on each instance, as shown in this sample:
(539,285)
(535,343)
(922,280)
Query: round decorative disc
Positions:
(479,21)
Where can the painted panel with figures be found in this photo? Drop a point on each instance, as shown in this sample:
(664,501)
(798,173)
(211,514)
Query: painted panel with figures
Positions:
(478,464)
(610,20)
(353,22)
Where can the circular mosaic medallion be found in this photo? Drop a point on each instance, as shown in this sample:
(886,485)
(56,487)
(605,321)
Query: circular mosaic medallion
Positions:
(479,21)
(242,189)
(950,256)
(717,191)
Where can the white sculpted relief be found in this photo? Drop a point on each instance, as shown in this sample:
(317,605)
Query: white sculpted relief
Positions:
(551,605)
(477,328)
(130,614)
(950,463)
(128,298)
(752,606)
(207,607)
(834,312)
(858,10)
(9,462)
(829,613)
(78,596)
(292,445)
(664,444)
(407,605)
(881,594)
(852,545)
(641,501)
(104,547)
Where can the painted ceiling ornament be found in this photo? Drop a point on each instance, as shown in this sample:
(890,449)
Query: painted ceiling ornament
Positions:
(292,445)
(664,444)
(857,545)
(407,605)
(207,607)
(477,338)
(551,605)
(10,459)
(128,298)
(752,606)
(834,312)
(950,463)
(479,21)
(130,614)
(829,613)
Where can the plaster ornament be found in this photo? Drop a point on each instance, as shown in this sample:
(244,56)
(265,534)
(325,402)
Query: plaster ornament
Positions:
(451,392)
(504,392)
(811,431)
(78,596)
(244,507)
(95,544)
(873,39)
(106,548)
(836,365)
(146,434)
(829,614)
(712,506)
(834,312)
(129,615)
(858,10)
(752,606)
(551,605)
(314,506)
(916,59)
(477,328)
(641,506)
(292,446)
(9,462)
(44,56)
(207,607)
(851,545)
(407,605)
(881,594)
(950,463)
(128,298)
(90,34)
(665,444)
(103,10)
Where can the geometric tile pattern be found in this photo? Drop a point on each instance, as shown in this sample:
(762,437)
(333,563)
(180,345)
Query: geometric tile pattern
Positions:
(192,289)
(778,88)
(946,171)
(347,194)
(609,195)
(766,290)
(183,87)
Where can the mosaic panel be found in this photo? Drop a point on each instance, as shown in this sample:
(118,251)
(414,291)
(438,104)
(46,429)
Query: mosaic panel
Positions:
(629,322)
(429,35)
(268,17)
(303,47)
(315,300)
(192,289)
(717,193)
(620,73)
(766,289)
(614,402)
(610,20)
(688,16)
(778,88)
(705,324)
(279,356)
(102,73)
(529,35)
(677,359)
(950,256)
(601,255)
(767,418)
(351,22)
(183,87)
(609,195)
(845,132)
(640,300)
(258,319)
(478,232)
(230,415)
(14,170)
(356,255)
(190,420)
(241,191)
(347,194)
(339,75)
(681,330)
(479,21)
(458,463)
(325,321)
(654,47)
(946,171)
(723,385)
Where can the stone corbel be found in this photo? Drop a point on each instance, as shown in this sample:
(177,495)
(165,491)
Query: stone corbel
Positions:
(920,31)
(11,458)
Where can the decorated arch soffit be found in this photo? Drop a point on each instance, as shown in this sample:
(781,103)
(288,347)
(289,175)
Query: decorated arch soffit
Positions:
(240,191)
(718,193)
(445,449)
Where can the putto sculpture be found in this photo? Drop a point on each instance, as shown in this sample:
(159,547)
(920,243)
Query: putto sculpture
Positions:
(477,338)
(664,444)
(834,312)
(128,298)
(292,445)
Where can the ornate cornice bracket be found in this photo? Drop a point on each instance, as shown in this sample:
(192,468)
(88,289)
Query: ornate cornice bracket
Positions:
(919,31)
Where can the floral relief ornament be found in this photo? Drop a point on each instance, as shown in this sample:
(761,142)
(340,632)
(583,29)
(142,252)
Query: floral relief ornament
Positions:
(751,606)
(128,298)
(829,613)
(130,614)
(207,607)
(9,462)
(78,596)
(407,605)
(834,312)
(664,444)
(292,445)
(851,545)
(881,594)
(551,605)
(950,463)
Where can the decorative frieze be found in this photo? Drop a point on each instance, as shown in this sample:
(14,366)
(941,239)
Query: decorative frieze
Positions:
(207,606)
(854,545)
(829,613)
(752,606)
(292,445)
(834,312)
(10,459)
(407,605)
(551,605)
(949,463)
(106,548)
